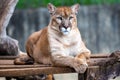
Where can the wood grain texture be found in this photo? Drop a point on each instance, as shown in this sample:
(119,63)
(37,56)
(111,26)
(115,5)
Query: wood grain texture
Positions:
(100,68)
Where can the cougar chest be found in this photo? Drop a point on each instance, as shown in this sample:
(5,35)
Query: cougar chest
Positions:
(70,46)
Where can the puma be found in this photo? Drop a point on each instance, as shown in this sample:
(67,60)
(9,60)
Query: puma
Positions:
(58,44)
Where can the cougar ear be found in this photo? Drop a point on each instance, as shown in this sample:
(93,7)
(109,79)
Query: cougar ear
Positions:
(51,8)
(75,8)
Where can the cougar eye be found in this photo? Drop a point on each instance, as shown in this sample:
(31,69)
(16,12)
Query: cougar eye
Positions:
(70,17)
(60,18)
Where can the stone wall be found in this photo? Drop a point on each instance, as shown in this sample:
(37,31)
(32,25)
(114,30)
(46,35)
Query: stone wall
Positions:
(99,26)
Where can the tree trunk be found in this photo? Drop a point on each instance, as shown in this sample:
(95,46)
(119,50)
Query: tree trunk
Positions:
(8,46)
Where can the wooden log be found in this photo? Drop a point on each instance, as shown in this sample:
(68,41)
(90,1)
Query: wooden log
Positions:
(8,57)
(8,46)
(104,72)
(108,68)
(100,68)
(115,54)
(81,76)
(35,71)
(92,73)
(99,55)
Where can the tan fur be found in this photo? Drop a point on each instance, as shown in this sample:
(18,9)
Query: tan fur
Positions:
(52,45)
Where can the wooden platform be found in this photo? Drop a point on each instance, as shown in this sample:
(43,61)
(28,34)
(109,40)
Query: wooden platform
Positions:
(99,65)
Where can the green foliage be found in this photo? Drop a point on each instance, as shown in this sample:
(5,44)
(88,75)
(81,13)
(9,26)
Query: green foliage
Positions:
(43,3)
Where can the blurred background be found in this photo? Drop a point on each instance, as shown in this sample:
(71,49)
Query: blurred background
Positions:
(98,21)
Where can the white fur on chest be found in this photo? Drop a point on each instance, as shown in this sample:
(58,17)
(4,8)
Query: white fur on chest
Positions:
(72,50)
(71,45)
(65,45)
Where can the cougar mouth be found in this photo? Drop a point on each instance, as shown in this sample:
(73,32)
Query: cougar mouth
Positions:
(65,31)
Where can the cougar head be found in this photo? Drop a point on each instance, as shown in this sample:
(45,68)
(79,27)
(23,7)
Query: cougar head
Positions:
(63,19)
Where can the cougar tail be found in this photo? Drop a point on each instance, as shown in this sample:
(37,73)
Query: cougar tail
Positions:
(23,59)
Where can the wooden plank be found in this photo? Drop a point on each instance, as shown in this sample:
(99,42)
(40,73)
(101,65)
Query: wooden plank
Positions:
(8,57)
(93,61)
(8,69)
(22,66)
(24,70)
(6,62)
(99,55)
(101,61)
(34,71)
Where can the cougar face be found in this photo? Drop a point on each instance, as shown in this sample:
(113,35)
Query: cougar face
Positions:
(63,19)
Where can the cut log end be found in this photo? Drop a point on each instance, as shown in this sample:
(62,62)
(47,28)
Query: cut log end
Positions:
(115,54)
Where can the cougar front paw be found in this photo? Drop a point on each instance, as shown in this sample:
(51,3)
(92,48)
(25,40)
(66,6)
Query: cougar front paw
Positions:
(80,66)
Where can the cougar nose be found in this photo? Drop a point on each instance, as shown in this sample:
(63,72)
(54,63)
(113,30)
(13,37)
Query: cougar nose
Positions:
(65,27)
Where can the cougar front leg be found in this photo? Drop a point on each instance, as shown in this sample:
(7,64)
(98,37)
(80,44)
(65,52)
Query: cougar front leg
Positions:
(62,60)
(83,57)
